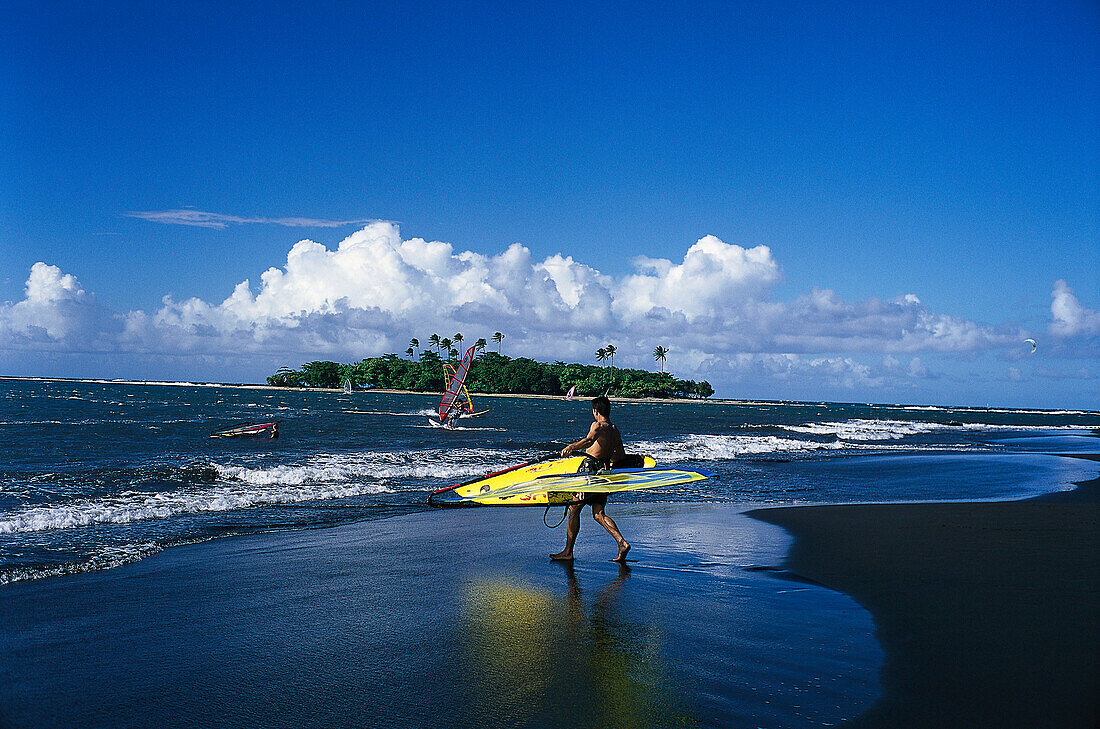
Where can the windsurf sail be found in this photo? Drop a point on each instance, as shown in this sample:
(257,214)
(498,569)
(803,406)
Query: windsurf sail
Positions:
(465,403)
(569,395)
(347,386)
(627,479)
(451,404)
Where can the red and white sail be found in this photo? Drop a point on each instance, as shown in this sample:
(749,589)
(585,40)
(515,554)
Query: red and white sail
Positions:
(451,403)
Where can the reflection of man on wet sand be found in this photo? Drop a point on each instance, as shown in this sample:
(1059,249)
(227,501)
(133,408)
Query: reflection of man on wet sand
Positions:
(604,447)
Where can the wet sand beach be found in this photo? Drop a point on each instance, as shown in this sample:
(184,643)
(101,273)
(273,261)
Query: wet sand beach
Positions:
(988,612)
(443,619)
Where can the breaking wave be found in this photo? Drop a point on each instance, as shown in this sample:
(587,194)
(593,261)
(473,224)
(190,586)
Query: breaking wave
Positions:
(130,506)
(103,559)
(726,447)
(334,468)
(881,430)
(865,430)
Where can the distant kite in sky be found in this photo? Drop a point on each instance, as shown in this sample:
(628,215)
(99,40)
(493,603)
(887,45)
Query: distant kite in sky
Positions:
(1033,344)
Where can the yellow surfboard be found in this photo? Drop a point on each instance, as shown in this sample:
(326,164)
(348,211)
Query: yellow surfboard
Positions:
(481,490)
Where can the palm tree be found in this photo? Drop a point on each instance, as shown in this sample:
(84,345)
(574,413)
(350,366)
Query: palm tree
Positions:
(415,344)
(601,354)
(458,340)
(409,351)
(445,343)
(479,345)
(434,341)
(453,354)
(498,338)
(659,353)
(611,355)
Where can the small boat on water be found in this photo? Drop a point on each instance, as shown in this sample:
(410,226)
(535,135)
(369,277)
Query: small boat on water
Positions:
(249,430)
(347,386)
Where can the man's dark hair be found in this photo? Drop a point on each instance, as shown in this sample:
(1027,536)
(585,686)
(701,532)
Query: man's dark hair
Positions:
(602,405)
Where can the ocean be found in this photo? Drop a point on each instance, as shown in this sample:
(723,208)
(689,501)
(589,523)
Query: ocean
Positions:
(94,476)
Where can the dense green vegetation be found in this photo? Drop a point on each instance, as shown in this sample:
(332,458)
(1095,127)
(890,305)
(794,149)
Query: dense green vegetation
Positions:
(493,373)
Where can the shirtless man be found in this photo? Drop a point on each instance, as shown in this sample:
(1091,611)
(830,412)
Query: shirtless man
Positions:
(604,447)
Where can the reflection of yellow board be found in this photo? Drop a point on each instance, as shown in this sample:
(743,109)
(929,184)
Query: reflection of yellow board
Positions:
(481,491)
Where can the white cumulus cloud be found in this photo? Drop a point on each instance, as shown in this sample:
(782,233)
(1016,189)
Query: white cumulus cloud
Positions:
(716,308)
(1070,316)
(56,312)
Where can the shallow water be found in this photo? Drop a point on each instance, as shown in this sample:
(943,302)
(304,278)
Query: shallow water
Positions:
(445,619)
(98,475)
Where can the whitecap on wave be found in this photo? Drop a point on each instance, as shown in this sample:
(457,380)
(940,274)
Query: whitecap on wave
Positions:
(133,506)
(725,447)
(332,468)
(863,430)
(880,430)
(320,477)
(103,559)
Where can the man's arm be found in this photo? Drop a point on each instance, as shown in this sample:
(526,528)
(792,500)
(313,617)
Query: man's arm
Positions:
(583,443)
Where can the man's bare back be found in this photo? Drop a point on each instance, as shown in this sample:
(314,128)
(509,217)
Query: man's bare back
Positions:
(603,442)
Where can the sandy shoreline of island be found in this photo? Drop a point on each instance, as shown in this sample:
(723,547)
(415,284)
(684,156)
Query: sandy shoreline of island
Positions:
(613,398)
(373,390)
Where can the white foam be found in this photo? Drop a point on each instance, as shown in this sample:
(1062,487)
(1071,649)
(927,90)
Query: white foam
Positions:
(725,447)
(729,447)
(864,430)
(881,430)
(133,506)
(336,468)
(321,477)
(104,559)
(435,424)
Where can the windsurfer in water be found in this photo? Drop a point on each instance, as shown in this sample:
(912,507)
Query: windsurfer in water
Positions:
(604,446)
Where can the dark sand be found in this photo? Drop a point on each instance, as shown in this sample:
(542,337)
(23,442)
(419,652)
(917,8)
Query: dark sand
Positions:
(988,612)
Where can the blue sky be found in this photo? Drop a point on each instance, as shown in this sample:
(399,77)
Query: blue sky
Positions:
(948,151)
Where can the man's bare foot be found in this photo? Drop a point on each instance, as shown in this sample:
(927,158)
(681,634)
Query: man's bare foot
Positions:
(624,547)
(563,556)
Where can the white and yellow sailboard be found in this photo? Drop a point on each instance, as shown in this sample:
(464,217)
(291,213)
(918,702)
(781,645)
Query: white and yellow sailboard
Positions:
(548,482)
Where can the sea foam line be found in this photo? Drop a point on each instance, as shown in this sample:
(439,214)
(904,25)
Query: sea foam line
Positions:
(863,430)
(130,506)
(858,429)
(323,476)
(334,468)
(725,447)
(730,447)
(104,559)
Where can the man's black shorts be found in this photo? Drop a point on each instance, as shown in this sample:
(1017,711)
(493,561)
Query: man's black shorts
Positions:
(592,465)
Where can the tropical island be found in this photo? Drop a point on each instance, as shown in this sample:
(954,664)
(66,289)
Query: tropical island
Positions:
(493,373)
